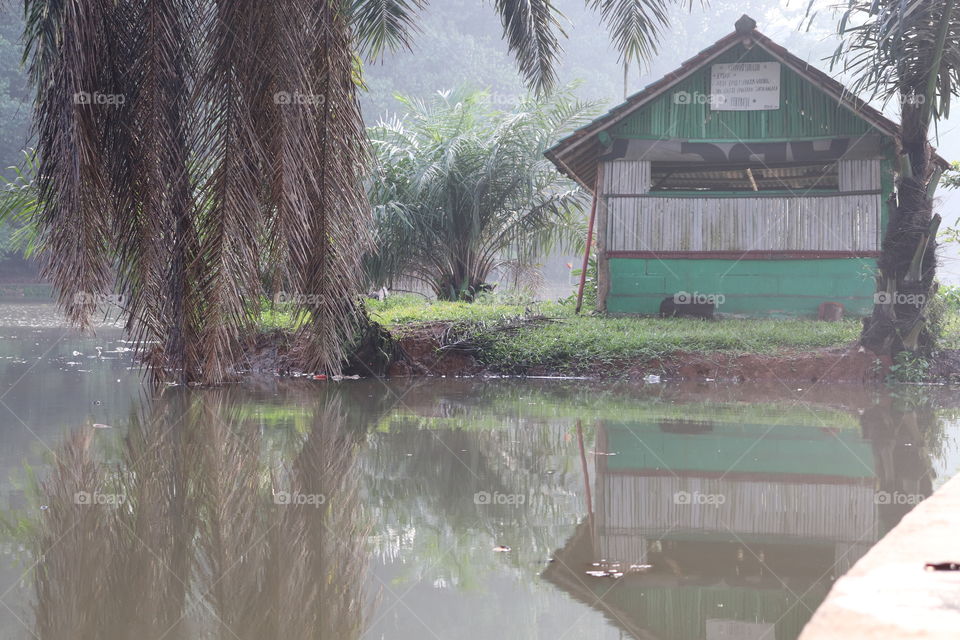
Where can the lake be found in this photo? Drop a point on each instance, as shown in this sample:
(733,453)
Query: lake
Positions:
(436,508)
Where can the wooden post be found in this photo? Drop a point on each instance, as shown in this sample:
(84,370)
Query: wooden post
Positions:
(584,466)
(586,253)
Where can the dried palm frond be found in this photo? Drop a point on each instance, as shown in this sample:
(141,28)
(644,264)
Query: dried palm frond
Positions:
(174,165)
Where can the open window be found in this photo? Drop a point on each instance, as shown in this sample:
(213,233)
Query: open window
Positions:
(746,178)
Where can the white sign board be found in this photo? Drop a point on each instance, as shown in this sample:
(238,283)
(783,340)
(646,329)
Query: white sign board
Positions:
(745,86)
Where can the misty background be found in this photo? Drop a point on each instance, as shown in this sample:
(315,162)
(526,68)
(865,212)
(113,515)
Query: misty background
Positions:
(459,45)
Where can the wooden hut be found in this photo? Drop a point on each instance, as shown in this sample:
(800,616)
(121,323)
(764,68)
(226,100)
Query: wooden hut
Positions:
(788,509)
(746,178)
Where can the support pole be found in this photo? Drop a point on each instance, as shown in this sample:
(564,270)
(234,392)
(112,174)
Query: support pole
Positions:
(586,254)
(585,467)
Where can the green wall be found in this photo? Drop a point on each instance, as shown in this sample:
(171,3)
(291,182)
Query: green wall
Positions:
(750,287)
(788,449)
(681,612)
(805,111)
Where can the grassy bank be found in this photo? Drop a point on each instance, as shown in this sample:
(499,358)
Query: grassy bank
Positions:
(515,336)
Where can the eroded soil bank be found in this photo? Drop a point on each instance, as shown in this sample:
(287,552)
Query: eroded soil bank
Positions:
(428,351)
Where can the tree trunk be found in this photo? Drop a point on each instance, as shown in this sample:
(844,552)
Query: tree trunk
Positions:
(907,264)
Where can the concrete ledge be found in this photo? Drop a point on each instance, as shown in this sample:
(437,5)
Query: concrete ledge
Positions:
(888,593)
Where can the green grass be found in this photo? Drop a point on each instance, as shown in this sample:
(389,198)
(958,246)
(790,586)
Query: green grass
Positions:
(950,339)
(949,297)
(570,342)
(399,312)
(273,317)
(577,341)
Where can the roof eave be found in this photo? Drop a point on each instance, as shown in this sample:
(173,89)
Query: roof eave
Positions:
(856,105)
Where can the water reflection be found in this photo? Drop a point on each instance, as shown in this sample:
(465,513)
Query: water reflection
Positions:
(199,522)
(730,526)
(359,510)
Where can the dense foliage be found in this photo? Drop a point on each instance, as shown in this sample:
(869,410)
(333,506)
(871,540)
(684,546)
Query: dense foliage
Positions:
(461,190)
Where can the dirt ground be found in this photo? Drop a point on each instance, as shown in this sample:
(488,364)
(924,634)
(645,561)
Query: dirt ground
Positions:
(423,353)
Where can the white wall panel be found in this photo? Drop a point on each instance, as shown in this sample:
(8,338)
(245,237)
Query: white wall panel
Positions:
(761,223)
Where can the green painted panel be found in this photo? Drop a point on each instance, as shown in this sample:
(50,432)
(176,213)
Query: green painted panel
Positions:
(805,111)
(785,449)
(681,613)
(737,284)
(638,284)
(749,287)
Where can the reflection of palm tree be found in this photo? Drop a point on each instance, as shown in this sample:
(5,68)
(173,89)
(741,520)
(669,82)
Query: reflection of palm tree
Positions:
(898,433)
(199,523)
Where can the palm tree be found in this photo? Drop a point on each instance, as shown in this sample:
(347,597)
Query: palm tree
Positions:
(18,204)
(905,50)
(460,190)
(184,144)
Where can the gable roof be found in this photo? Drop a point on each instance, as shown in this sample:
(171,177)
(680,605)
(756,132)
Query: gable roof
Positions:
(577,154)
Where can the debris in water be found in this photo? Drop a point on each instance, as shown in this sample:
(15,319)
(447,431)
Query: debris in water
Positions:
(651,379)
(97,425)
(77,353)
(320,376)
(501,548)
(605,569)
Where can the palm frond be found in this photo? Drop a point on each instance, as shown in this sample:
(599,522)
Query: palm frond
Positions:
(891,49)
(462,189)
(19,205)
(531,29)
(382,25)
(67,47)
(636,26)
(230,143)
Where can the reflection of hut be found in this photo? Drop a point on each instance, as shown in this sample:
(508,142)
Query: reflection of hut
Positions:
(721,530)
(745,173)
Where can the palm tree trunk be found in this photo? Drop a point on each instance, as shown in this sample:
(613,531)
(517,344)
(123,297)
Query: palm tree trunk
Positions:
(907,262)
(906,285)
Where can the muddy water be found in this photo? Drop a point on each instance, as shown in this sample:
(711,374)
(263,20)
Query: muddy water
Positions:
(436,508)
